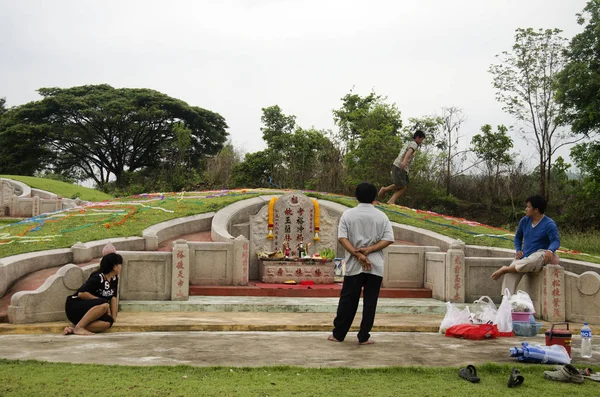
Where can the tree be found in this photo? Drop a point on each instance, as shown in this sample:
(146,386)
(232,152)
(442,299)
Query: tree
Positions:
(2,106)
(293,158)
(524,80)
(578,84)
(22,151)
(369,137)
(492,148)
(219,168)
(103,132)
(452,119)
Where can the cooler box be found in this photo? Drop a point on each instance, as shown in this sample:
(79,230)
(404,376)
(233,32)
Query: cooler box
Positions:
(559,337)
(526,328)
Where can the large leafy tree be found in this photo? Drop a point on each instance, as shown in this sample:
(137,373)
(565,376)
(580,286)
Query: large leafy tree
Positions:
(369,137)
(578,84)
(294,157)
(524,82)
(21,148)
(493,149)
(101,133)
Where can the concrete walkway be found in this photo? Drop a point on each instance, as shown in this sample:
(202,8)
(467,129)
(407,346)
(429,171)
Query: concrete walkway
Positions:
(252,349)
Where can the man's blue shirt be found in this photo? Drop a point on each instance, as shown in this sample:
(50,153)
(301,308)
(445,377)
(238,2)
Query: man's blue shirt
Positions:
(544,236)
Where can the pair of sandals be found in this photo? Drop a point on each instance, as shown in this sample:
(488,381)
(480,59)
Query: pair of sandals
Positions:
(568,373)
(470,373)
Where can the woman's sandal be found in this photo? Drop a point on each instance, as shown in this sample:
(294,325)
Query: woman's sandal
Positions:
(516,379)
(469,373)
(589,373)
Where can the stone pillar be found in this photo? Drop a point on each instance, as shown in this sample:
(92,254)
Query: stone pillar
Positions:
(455,272)
(14,205)
(35,206)
(180,281)
(241,260)
(553,293)
(151,241)
(58,203)
(81,253)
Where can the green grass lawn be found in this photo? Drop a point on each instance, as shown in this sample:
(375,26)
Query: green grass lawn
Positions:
(33,378)
(66,190)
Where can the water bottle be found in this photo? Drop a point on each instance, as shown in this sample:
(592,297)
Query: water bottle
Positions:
(586,341)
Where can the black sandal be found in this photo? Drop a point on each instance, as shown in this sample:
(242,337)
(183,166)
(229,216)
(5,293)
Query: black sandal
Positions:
(516,379)
(469,373)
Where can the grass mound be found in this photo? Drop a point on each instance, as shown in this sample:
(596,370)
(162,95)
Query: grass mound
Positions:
(66,190)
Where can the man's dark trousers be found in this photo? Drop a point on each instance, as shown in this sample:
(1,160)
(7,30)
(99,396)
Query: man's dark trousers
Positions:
(349,298)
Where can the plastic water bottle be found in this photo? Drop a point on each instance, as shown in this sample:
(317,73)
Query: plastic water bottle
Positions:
(586,341)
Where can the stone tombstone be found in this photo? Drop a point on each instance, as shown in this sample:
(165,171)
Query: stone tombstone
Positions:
(293,222)
(259,228)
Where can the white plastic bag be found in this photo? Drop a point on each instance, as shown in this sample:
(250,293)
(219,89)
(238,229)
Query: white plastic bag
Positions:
(504,315)
(454,316)
(521,302)
(483,311)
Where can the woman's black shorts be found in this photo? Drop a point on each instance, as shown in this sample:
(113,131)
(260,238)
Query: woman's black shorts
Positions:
(77,308)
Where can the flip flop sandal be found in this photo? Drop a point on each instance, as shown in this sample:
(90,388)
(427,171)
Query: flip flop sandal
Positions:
(516,379)
(589,373)
(469,373)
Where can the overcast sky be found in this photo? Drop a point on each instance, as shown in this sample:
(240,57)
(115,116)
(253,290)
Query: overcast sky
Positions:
(236,57)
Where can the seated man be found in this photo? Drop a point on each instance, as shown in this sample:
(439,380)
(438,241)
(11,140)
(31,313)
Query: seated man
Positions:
(536,241)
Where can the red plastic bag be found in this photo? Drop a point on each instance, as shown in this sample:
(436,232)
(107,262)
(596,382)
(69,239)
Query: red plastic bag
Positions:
(473,331)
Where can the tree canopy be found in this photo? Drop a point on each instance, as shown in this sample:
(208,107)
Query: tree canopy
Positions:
(524,81)
(100,132)
(578,83)
(369,137)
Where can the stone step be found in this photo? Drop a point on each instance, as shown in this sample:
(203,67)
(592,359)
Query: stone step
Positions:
(274,304)
(298,291)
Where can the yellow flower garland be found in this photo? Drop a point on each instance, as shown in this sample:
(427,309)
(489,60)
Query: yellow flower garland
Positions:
(270,225)
(317,220)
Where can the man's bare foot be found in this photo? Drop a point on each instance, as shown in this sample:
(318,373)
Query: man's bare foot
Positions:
(391,202)
(82,331)
(332,339)
(367,342)
(498,273)
(68,331)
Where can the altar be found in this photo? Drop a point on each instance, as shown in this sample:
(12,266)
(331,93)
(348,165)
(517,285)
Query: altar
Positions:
(293,249)
(281,271)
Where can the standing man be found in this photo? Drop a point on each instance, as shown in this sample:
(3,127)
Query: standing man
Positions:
(364,232)
(536,242)
(401,167)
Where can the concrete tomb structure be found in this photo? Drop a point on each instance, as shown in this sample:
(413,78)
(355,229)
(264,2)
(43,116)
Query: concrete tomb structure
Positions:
(452,270)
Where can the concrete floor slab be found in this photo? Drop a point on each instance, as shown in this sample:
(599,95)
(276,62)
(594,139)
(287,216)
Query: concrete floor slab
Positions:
(253,349)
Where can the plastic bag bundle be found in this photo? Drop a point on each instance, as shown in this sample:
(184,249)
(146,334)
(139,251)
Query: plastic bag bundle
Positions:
(454,316)
(504,316)
(555,354)
(521,302)
(483,311)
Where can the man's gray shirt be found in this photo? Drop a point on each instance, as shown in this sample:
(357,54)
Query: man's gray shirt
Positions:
(364,225)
